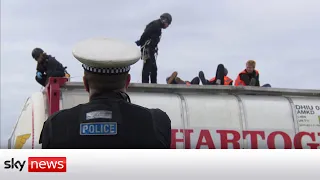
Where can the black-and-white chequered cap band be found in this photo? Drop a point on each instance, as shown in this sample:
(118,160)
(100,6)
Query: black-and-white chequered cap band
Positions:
(118,70)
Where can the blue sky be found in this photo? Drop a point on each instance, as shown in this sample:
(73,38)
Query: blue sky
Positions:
(282,36)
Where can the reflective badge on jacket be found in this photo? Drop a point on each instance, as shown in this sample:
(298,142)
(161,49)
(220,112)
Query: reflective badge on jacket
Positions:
(101,114)
(98,128)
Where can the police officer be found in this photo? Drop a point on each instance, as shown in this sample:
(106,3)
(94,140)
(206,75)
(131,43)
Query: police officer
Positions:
(109,119)
(47,66)
(149,46)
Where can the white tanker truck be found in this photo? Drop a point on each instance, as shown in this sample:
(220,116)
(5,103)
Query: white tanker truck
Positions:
(221,117)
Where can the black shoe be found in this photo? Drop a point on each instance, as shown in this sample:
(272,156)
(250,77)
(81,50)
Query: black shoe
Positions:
(202,78)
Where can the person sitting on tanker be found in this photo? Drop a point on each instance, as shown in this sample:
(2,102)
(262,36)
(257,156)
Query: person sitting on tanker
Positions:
(109,120)
(47,66)
(174,79)
(149,46)
(221,77)
(249,76)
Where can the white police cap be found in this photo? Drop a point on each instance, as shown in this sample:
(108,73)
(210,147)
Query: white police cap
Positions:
(106,56)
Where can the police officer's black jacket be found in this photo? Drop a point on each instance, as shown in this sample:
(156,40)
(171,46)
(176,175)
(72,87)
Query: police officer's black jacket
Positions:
(152,32)
(50,67)
(138,127)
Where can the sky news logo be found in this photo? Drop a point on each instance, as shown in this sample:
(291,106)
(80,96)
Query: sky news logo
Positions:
(38,164)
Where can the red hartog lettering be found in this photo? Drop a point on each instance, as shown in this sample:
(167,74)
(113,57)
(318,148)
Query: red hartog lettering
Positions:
(232,137)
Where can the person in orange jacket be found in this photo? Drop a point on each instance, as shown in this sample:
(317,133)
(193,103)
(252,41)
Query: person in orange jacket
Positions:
(174,79)
(221,77)
(249,76)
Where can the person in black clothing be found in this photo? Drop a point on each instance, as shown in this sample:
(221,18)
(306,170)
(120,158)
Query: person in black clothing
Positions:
(47,66)
(149,46)
(109,120)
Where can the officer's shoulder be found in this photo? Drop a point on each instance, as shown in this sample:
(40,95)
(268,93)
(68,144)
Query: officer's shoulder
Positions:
(135,106)
(158,111)
(159,115)
(155,111)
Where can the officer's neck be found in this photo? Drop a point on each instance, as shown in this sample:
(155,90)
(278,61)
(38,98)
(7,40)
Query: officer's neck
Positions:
(97,94)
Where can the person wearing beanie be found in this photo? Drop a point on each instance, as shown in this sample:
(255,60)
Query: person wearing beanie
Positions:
(148,43)
(47,66)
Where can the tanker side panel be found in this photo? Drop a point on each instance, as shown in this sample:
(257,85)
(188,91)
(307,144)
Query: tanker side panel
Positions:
(268,122)
(29,125)
(201,120)
(169,103)
(307,119)
(21,135)
(210,120)
(39,117)
(73,98)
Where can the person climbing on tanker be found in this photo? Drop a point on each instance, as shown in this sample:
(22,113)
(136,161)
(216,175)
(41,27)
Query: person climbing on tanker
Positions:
(249,76)
(149,46)
(47,66)
(221,77)
(174,79)
(109,120)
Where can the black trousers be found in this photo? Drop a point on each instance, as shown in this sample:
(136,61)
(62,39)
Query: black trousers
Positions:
(149,71)
(195,80)
(219,75)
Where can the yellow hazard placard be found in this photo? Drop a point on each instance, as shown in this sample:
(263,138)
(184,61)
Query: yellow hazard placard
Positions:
(21,140)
